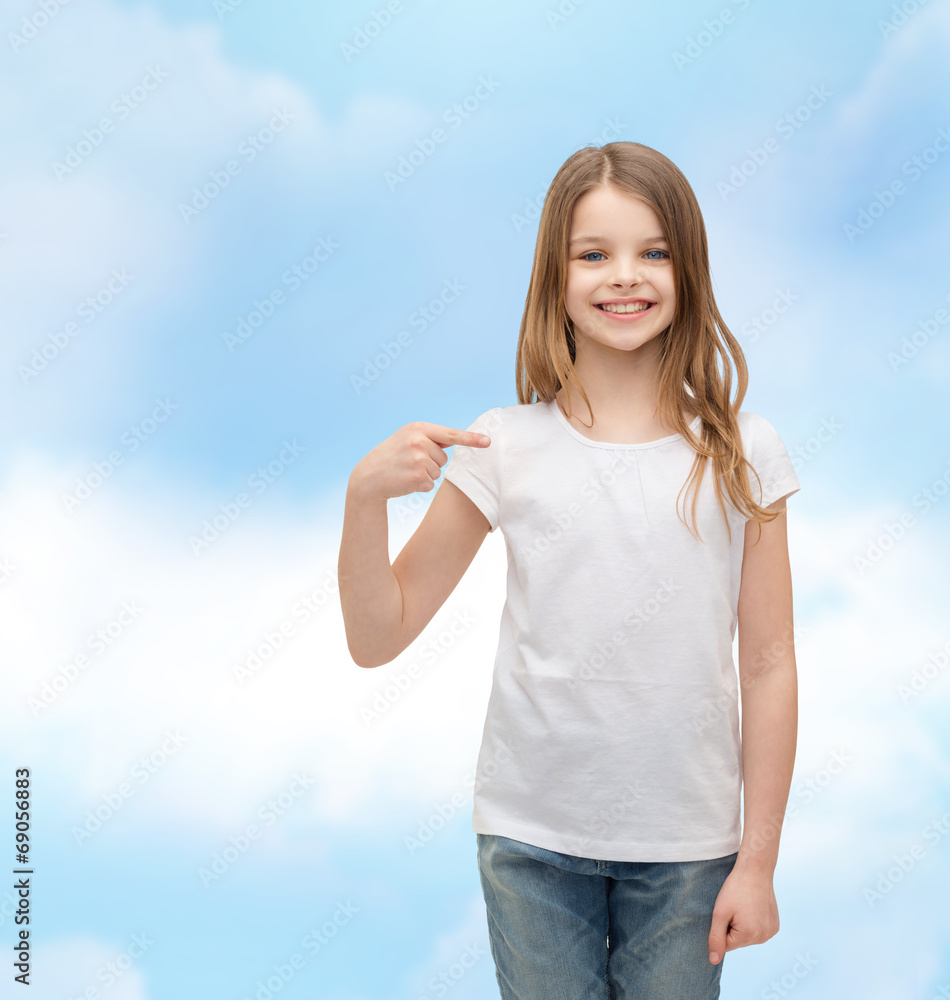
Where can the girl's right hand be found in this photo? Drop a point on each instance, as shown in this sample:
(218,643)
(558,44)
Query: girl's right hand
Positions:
(411,460)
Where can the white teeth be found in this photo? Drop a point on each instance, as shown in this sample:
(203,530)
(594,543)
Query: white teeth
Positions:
(629,307)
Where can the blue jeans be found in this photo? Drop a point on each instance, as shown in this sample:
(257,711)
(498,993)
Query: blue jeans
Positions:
(569,928)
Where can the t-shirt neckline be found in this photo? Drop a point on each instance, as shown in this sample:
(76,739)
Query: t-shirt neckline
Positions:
(615,445)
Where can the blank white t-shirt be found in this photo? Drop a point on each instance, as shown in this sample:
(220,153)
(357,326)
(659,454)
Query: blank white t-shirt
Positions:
(612,729)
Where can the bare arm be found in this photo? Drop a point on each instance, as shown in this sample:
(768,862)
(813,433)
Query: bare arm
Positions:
(769,683)
(385,607)
(369,591)
(746,911)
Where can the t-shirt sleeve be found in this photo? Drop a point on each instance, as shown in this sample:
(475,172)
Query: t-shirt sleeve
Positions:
(477,471)
(770,459)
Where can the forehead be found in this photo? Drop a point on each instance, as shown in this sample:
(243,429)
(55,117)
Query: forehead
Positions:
(607,213)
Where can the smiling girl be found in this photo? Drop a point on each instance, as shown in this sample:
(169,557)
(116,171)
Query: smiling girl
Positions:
(611,772)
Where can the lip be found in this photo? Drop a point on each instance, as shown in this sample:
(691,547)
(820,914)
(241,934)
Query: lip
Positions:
(624,317)
(622,302)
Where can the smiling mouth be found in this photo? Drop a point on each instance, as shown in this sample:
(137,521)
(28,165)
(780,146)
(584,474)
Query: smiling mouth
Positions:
(627,309)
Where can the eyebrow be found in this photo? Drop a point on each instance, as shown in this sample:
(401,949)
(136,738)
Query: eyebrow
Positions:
(603,240)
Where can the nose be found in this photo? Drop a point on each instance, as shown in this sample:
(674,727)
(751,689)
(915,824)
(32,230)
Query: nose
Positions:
(627,273)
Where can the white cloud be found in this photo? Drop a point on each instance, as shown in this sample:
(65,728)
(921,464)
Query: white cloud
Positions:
(174,666)
(460,957)
(69,966)
(119,207)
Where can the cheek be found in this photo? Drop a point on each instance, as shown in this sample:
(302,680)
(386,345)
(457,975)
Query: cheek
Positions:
(573,291)
(668,289)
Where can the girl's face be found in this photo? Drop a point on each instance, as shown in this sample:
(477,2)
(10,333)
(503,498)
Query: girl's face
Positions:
(617,254)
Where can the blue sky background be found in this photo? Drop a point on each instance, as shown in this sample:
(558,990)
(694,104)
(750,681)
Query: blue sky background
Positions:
(159,722)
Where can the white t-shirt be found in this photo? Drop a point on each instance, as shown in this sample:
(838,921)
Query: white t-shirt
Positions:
(612,729)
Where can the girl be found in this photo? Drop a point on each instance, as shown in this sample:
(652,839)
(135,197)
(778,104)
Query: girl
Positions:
(608,784)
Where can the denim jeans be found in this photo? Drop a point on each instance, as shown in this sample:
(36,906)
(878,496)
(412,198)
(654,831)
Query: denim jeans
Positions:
(570,928)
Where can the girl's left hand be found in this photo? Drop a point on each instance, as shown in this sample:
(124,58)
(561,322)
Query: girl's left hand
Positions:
(745,913)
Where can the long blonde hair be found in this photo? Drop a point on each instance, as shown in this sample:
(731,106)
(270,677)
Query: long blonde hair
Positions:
(546,346)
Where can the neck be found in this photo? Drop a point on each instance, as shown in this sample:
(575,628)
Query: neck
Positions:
(621,385)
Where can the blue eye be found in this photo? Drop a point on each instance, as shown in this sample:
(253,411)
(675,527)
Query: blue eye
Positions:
(588,255)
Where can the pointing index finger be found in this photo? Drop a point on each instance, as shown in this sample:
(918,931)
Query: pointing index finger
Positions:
(446,437)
